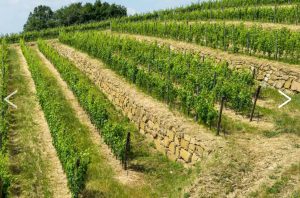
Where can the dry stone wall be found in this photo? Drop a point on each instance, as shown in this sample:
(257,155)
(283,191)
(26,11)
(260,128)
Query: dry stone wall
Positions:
(175,136)
(278,75)
(284,77)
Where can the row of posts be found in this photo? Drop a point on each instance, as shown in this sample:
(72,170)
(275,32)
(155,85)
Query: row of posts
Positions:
(223,100)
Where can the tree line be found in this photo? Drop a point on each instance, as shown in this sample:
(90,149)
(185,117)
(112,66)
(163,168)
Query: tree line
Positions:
(44,17)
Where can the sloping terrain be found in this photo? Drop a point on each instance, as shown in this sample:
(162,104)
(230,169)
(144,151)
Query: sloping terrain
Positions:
(247,161)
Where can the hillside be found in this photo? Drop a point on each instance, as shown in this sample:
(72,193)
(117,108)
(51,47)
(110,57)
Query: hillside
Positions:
(173,103)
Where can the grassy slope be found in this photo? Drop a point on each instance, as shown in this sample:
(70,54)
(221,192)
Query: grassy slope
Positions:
(286,119)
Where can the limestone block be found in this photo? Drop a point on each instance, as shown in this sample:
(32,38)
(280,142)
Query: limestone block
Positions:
(159,147)
(288,83)
(185,155)
(142,125)
(184,144)
(172,148)
(295,86)
(260,77)
(177,152)
(154,135)
(177,140)
(171,135)
(192,148)
(279,84)
(150,124)
(167,142)
(187,137)
(195,159)
(171,156)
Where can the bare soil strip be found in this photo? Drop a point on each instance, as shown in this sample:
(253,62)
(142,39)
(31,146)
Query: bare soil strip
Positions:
(125,177)
(38,142)
(247,160)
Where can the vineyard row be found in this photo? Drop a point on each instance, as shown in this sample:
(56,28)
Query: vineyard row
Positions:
(205,83)
(113,129)
(283,44)
(66,140)
(5,177)
(273,14)
(221,4)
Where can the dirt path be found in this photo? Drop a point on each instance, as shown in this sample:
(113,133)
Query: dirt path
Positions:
(125,177)
(48,176)
(246,161)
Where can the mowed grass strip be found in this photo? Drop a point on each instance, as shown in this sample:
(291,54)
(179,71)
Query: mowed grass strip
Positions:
(29,168)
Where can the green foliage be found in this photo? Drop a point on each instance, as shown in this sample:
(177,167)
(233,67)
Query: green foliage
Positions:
(40,18)
(280,44)
(43,17)
(113,132)
(273,14)
(4,170)
(181,80)
(114,136)
(277,186)
(73,158)
(225,10)
(218,4)
(54,32)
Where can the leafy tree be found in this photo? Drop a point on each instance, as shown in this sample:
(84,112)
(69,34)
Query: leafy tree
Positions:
(76,13)
(41,18)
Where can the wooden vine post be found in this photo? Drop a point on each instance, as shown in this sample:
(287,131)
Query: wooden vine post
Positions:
(254,104)
(220,115)
(127,151)
(1,189)
(253,73)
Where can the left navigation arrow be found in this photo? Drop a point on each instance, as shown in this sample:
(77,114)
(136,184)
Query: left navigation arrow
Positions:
(8,97)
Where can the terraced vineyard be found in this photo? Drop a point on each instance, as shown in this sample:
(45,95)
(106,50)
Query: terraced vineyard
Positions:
(174,103)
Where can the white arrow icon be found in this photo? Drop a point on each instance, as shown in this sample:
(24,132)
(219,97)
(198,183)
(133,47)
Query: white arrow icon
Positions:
(7,99)
(287,97)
